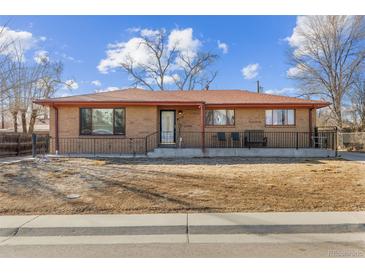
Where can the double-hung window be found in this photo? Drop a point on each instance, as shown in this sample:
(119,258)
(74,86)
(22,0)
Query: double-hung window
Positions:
(280,117)
(102,121)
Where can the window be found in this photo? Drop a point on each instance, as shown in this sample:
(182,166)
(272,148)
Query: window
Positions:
(103,121)
(219,117)
(280,117)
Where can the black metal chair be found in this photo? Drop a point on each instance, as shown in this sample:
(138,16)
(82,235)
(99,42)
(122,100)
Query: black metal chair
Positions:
(255,138)
(221,136)
(235,137)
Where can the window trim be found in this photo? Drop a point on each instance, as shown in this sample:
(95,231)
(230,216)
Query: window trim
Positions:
(92,134)
(226,125)
(284,125)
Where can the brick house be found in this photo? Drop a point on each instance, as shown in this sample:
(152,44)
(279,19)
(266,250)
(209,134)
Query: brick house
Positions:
(139,121)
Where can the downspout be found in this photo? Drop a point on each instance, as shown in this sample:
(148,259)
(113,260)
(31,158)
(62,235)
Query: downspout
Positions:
(56,130)
(310,126)
(202,123)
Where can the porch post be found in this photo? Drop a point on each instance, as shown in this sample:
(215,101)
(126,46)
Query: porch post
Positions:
(310,126)
(202,124)
(57,144)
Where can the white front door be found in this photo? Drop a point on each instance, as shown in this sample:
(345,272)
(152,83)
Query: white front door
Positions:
(167,126)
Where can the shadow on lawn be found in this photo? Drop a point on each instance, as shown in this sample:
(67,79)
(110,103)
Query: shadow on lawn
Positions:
(154,196)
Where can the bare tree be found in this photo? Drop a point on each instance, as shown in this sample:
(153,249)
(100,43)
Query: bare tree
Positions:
(169,65)
(4,61)
(330,53)
(358,103)
(46,85)
(22,82)
(193,71)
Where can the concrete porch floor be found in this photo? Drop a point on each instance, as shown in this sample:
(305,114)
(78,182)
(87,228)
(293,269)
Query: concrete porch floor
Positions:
(241,152)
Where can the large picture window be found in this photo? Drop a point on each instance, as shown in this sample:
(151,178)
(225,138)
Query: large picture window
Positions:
(102,121)
(280,117)
(219,117)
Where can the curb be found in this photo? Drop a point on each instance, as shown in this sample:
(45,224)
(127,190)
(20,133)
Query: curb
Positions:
(180,230)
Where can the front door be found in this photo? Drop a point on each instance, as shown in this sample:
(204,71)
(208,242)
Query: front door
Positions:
(167,122)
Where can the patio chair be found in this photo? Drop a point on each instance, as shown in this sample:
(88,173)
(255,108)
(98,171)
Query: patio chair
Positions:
(235,137)
(255,138)
(222,141)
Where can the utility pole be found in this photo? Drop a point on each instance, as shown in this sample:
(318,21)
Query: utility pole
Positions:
(2,98)
(259,88)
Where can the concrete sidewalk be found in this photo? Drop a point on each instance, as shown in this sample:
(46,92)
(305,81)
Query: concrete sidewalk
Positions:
(182,224)
(180,228)
(353,156)
(15,159)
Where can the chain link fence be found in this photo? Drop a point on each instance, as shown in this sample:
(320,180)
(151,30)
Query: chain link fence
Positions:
(354,141)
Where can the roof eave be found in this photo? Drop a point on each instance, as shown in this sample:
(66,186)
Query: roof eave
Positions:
(124,103)
(179,103)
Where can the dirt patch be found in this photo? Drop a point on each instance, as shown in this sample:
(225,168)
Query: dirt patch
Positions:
(181,185)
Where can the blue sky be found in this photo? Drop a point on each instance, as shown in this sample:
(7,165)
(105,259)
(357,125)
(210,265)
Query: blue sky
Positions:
(81,43)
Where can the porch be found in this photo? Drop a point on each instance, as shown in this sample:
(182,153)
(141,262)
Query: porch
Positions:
(205,144)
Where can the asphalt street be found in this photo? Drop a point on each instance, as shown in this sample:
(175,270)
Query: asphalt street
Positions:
(323,249)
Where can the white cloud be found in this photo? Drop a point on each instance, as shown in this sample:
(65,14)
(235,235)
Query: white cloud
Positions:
(41,56)
(297,40)
(183,41)
(107,89)
(283,91)
(134,49)
(149,32)
(96,83)
(223,47)
(293,71)
(16,40)
(134,29)
(70,58)
(250,71)
(120,52)
(168,80)
(71,84)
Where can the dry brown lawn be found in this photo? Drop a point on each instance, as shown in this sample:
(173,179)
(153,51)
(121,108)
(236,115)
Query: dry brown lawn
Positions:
(181,185)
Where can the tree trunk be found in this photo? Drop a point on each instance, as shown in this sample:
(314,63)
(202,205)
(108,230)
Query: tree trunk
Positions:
(2,120)
(32,121)
(338,113)
(15,121)
(362,123)
(24,121)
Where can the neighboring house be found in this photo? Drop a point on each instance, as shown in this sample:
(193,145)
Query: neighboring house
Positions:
(138,121)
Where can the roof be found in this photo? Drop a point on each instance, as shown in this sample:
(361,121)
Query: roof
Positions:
(134,96)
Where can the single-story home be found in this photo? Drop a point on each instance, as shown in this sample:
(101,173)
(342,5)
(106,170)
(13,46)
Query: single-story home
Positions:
(138,121)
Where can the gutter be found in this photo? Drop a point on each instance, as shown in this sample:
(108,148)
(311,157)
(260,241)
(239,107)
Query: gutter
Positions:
(180,103)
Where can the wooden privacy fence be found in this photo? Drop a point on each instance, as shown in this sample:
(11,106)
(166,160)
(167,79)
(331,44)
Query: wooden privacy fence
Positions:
(17,144)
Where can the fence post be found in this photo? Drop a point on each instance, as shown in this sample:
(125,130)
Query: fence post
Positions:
(249,140)
(297,141)
(18,146)
(48,139)
(335,141)
(145,145)
(34,145)
(94,146)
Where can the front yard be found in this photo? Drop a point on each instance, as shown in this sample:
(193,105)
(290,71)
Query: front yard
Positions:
(181,185)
